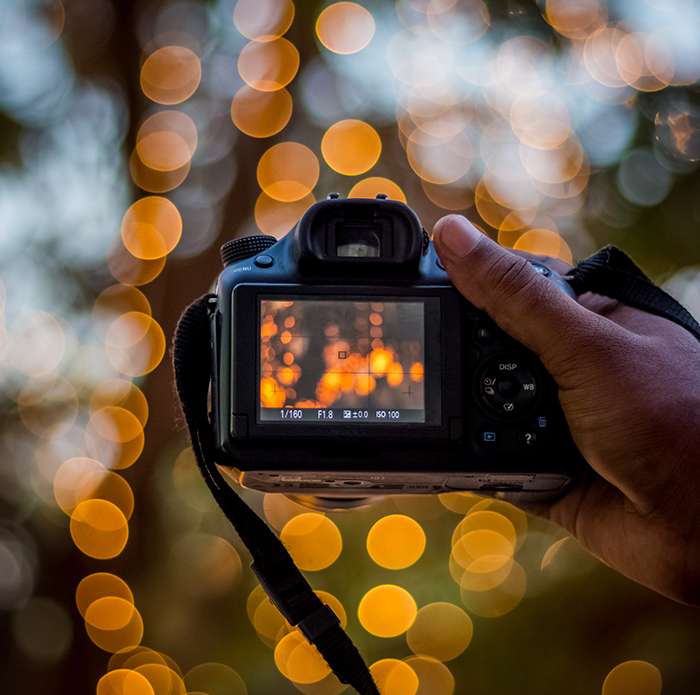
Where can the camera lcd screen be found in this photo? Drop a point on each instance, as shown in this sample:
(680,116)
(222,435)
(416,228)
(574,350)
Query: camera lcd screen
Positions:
(335,361)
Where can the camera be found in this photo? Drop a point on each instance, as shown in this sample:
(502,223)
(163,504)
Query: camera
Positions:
(345,364)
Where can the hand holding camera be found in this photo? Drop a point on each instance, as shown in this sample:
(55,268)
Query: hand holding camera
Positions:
(629,385)
(355,357)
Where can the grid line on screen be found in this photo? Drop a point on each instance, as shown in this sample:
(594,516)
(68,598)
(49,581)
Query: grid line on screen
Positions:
(340,360)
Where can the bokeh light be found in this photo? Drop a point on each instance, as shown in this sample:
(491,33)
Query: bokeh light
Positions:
(439,161)
(139,656)
(134,656)
(47,406)
(170,75)
(268,622)
(99,529)
(387,610)
(633,678)
(542,122)
(514,514)
(373,186)
(499,600)
(43,630)
(544,242)
(394,677)
(450,196)
(214,678)
(313,541)
(208,565)
(115,455)
(263,20)
(482,574)
(167,141)
(441,630)
(276,217)
(79,479)
(575,20)
(255,598)
(396,541)
(481,543)
(345,27)
(298,660)
(154,180)
(458,502)
(485,519)
(288,171)
(130,270)
(162,679)
(26,352)
(113,623)
(642,179)
(115,424)
(434,678)
(261,114)
(151,228)
(118,299)
(351,147)
(124,682)
(268,66)
(100,585)
(123,394)
(135,344)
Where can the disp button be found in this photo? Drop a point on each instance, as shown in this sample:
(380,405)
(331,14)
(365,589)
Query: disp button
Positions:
(507,386)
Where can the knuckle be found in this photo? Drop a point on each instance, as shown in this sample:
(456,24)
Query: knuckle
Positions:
(511,277)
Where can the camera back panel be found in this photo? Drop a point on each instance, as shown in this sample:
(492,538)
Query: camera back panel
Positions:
(327,383)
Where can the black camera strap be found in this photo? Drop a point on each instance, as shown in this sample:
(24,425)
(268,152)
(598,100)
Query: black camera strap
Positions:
(272,564)
(608,272)
(614,274)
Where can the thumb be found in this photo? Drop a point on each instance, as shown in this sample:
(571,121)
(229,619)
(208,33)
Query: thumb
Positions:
(524,303)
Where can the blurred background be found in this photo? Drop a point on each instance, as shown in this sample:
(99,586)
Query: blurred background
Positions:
(135,137)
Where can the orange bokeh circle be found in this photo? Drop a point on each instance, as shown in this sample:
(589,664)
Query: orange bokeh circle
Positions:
(288,171)
(270,65)
(151,228)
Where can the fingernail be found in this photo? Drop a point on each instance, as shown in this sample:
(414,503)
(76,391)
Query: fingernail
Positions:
(457,233)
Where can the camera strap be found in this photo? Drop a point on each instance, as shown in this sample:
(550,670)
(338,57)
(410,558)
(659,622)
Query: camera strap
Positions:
(614,274)
(279,576)
(609,272)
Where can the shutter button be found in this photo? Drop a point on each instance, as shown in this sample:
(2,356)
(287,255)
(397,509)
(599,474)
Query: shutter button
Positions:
(263,261)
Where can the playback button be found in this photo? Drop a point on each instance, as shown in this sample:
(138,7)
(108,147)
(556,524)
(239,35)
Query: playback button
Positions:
(488,437)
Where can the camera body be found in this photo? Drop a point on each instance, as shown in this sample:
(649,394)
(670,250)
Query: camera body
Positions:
(346,364)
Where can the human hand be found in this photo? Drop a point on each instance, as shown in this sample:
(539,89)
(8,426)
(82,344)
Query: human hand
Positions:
(629,385)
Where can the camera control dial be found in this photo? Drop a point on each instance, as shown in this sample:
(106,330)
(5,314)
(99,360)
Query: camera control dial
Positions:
(507,386)
(245,247)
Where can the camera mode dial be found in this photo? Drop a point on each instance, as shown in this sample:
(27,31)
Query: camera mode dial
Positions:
(507,386)
(245,247)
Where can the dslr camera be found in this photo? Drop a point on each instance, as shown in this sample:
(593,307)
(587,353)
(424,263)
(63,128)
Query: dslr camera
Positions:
(345,364)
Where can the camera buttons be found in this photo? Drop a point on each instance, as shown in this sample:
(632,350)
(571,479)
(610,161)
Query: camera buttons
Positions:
(484,334)
(245,247)
(542,422)
(507,386)
(264,261)
(488,437)
(541,268)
